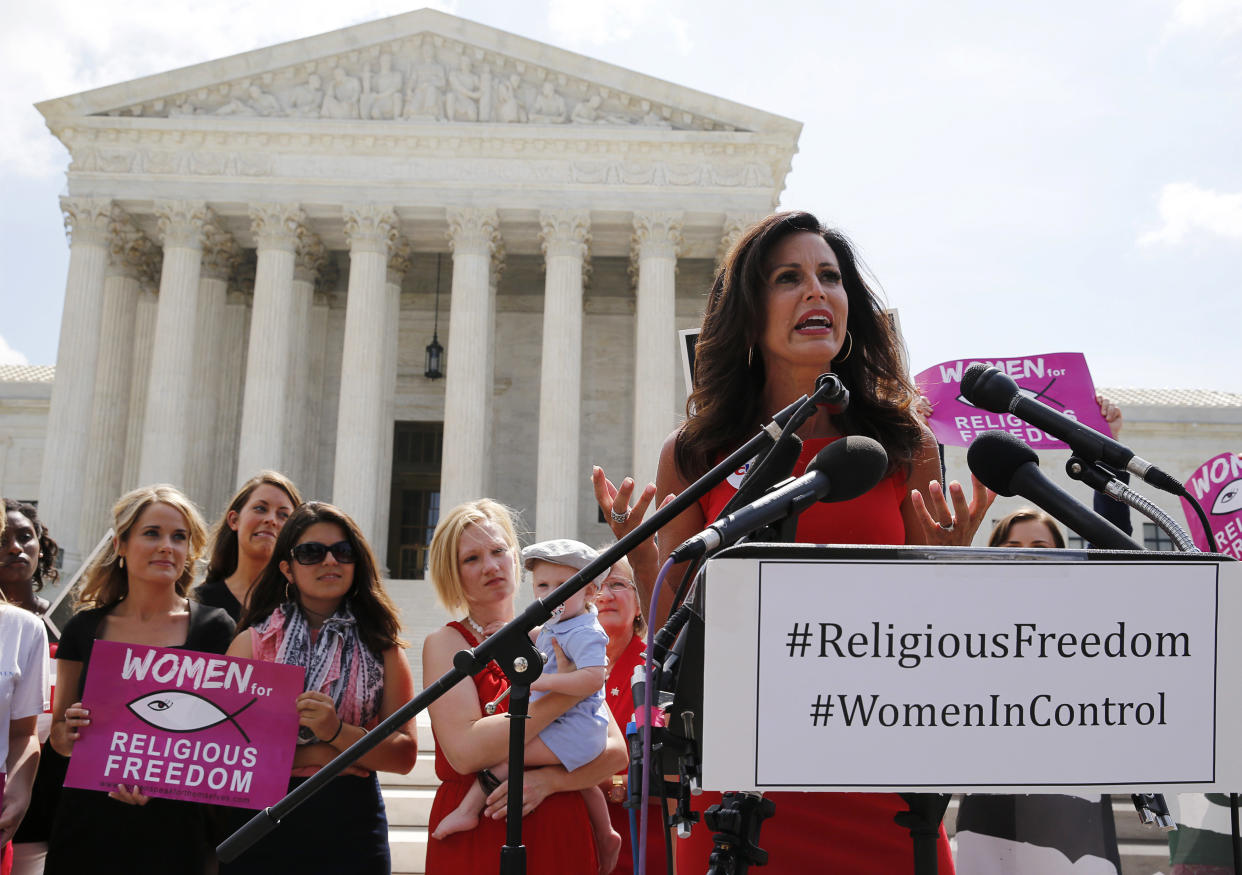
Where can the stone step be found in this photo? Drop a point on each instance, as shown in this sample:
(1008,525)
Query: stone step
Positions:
(408,846)
(408,806)
(422,775)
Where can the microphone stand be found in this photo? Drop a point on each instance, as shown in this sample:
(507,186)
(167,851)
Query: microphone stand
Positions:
(513,651)
(1100,481)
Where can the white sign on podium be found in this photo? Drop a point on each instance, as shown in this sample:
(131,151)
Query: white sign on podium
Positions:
(951,674)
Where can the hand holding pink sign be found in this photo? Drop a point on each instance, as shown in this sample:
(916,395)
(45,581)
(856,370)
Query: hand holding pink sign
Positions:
(179,724)
(1060,380)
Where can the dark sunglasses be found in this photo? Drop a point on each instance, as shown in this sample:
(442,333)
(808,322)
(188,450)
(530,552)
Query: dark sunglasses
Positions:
(312,552)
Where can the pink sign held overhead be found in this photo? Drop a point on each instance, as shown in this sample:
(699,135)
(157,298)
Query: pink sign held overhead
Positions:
(1059,380)
(1217,486)
(181,724)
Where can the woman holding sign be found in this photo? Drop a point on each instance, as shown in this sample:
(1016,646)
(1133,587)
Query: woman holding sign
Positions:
(319,604)
(134,593)
(788,304)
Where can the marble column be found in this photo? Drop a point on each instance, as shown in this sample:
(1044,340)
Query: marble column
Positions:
(398,267)
(166,427)
(473,237)
(317,482)
(140,371)
(220,258)
(105,451)
(371,230)
(310,256)
(565,236)
(230,375)
(69,416)
(656,241)
(263,432)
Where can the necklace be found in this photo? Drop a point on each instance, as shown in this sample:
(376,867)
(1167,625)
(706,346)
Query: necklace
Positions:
(470,621)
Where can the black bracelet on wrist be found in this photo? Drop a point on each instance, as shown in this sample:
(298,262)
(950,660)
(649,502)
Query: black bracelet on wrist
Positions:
(339,727)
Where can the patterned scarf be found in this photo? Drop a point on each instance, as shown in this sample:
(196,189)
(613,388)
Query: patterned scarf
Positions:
(337,663)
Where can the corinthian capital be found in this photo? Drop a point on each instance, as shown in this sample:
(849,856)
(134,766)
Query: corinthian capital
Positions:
(657,234)
(129,249)
(220,253)
(399,261)
(276,226)
(735,224)
(565,232)
(371,228)
(87,219)
(310,256)
(473,229)
(182,223)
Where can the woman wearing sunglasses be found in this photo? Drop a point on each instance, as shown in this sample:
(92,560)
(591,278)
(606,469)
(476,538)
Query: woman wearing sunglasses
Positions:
(319,604)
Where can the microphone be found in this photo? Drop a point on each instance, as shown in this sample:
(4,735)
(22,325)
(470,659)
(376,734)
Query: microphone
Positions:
(765,473)
(1007,466)
(856,464)
(778,462)
(992,390)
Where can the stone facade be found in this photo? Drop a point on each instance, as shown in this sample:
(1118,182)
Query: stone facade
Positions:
(259,246)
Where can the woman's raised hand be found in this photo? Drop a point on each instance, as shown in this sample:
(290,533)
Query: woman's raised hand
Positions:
(951,526)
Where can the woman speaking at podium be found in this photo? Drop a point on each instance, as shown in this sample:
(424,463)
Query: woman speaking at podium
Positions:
(788,304)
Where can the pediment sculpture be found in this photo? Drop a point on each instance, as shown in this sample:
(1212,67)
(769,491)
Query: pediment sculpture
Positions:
(426,78)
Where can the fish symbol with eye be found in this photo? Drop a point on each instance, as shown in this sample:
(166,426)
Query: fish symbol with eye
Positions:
(1033,394)
(182,711)
(1229,499)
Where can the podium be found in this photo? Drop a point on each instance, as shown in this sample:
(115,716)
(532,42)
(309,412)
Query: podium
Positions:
(945,670)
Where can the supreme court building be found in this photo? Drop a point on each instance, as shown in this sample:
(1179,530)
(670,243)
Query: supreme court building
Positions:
(262,247)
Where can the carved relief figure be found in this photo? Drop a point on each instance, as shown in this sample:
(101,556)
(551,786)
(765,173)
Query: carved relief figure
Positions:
(461,105)
(549,107)
(507,107)
(427,83)
(263,103)
(306,99)
(386,96)
(588,113)
(341,101)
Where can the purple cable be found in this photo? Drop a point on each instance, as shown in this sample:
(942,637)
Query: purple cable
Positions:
(640,863)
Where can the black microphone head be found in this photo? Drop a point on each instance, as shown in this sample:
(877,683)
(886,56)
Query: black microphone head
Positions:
(995,456)
(988,388)
(855,463)
(832,392)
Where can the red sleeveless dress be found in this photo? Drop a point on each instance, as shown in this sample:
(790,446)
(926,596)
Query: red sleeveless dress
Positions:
(557,834)
(840,833)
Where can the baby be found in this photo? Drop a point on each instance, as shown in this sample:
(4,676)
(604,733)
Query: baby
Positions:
(578,736)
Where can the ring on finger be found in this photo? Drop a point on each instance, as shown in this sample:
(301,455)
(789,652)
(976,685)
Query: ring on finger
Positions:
(949,527)
(619,517)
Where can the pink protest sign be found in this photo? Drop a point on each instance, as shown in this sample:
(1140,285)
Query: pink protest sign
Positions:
(1217,486)
(1059,380)
(186,725)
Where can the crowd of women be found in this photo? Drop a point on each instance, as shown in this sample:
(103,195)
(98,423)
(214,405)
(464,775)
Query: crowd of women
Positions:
(295,582)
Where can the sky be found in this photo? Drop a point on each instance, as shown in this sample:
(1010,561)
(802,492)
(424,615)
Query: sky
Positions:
(1020,178)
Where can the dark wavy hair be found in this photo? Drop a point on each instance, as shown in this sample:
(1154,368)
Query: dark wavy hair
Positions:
(378,623)
(45,570)
(223,550)
(729,372)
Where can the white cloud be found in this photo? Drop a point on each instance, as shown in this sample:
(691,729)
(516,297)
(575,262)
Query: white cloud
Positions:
(10,356)
(1219,15)
(1185,209)
(598,22)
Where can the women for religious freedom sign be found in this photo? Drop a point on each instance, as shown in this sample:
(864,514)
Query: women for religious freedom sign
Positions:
(1059,380)
(187,725)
